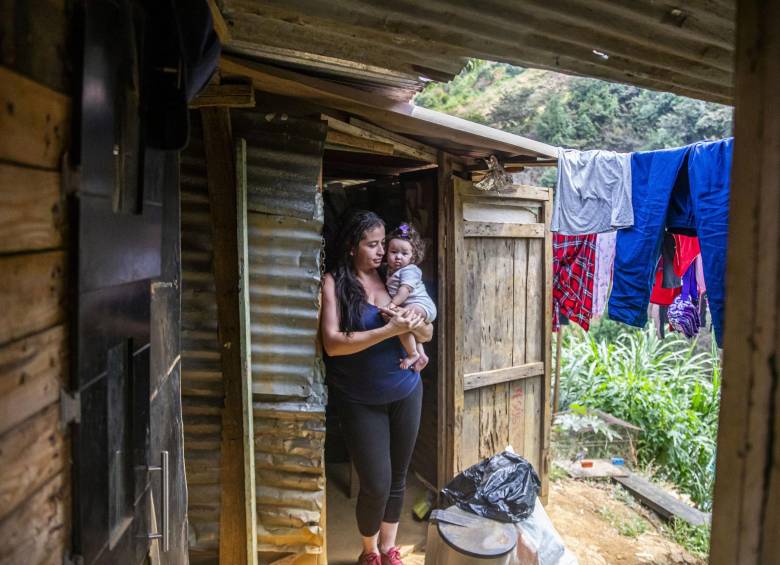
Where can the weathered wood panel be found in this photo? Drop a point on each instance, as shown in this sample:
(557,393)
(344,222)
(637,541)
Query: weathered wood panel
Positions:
(34,121)
(34,293)
(494,229)
(38,531)
(32,214)
(32,370)
(32,454)
(234,544)
(34,40)
(496,337)
(498,376)
(504,361)
(746,508)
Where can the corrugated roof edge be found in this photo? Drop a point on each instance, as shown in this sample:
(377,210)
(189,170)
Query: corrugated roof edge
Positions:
(391,114)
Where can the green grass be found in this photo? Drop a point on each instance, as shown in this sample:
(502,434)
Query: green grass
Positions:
(630,527)
(695,539)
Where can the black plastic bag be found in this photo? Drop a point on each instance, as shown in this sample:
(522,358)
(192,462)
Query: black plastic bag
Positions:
(503,488)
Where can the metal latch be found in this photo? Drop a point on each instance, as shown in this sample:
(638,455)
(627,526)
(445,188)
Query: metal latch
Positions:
(70,408)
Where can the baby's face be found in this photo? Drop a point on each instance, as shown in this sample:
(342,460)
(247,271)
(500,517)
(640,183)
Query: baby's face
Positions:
(399,254)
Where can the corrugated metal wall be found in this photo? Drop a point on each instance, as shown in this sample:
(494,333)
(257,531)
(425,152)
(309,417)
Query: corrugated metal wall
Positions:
(202,390)
(285,218)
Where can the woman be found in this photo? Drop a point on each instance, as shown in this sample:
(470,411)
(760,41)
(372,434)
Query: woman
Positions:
(378,402)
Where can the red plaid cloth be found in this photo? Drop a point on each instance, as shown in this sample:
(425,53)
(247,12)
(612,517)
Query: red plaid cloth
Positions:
(574,263)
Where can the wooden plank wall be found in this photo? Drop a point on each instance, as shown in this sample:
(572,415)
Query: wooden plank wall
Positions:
(34,353)
(746,510)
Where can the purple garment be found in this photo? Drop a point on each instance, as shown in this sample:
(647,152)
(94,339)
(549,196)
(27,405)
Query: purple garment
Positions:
(684,311)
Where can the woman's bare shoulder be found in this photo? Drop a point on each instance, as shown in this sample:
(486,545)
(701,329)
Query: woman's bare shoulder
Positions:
(328,284)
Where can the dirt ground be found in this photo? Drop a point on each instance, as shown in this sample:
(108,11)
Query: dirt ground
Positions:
(589,517)
(599,523)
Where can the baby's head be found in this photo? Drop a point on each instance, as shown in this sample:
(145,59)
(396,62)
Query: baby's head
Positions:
(404,246)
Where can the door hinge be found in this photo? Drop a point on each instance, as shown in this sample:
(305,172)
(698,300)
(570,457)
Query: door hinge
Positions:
(72,559)
(70,408)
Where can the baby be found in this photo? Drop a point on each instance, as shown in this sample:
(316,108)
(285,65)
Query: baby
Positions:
(405,249)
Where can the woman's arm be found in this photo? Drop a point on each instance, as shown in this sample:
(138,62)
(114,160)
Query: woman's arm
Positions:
(338,343)
(423,332)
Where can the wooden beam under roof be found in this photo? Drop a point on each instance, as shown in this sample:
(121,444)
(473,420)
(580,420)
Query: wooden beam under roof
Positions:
(398,116)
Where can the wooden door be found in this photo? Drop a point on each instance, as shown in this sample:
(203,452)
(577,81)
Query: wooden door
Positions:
(497,324)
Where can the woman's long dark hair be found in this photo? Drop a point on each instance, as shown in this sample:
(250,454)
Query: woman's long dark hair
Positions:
(350,294)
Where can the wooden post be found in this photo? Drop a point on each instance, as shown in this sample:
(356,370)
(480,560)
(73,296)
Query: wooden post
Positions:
(746,511)
(445,342)
(558,347)
(233,542)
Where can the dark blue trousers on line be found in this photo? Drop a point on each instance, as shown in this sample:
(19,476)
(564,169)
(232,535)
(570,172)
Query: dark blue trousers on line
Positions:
(687,191)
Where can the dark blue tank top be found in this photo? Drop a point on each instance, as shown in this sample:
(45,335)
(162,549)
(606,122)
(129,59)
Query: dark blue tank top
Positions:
(372,376)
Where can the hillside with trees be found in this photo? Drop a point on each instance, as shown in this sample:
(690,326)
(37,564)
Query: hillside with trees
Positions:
(579,113)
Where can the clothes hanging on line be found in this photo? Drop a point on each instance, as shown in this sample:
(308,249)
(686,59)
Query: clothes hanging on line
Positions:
(574,264)
(605,259)
(684,311)
(684,190)
(592,193)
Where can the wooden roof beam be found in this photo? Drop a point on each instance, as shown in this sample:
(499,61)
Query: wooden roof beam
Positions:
(401,116)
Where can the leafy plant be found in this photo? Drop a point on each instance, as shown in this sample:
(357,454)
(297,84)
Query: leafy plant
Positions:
(696,539)
(662,386)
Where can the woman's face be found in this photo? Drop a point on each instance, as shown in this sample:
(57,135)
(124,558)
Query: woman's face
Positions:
(370,250)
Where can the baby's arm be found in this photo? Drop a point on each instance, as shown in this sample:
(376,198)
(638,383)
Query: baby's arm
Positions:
(401,296)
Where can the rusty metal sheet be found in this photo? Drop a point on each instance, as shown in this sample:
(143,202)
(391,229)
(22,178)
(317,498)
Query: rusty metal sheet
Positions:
(284,246)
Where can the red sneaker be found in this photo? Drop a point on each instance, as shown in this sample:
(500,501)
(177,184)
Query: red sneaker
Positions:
(370,559)
(392,557)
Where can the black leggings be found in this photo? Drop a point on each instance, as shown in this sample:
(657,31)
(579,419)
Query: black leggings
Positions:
(381,439)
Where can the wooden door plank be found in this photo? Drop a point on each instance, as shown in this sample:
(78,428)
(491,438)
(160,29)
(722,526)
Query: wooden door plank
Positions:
(532,412)
(504,375)
(34,121)
(472,312)
(32,371)
(32,454)
(517,388)
(495,271)
(218,144)
(32,214)
(534,351)
(33,294)
(495,229)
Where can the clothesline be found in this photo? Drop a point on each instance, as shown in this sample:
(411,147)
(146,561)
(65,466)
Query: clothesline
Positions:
(618,218)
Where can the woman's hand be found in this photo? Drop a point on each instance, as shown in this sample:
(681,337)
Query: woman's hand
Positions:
(402,320)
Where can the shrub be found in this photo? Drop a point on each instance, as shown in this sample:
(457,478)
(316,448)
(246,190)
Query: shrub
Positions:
(663,386)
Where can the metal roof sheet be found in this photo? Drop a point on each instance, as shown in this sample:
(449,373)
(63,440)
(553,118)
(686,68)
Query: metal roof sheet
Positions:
(682,46)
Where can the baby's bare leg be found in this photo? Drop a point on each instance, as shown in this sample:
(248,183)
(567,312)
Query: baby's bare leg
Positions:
(410,346)
(408,340)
